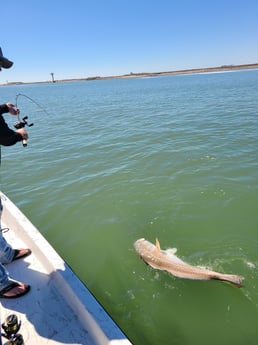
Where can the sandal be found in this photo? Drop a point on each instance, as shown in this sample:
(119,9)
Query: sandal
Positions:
(13,285)
(20,253)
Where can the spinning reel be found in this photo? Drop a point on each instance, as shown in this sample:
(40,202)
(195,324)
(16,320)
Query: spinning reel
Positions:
(21,124)
(11,328)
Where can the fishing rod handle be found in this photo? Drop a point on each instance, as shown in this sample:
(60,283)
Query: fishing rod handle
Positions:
(24,142)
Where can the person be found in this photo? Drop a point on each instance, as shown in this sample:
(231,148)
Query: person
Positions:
(10,288)
(9,137)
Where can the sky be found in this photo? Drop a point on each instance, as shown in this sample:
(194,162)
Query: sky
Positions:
(88,38)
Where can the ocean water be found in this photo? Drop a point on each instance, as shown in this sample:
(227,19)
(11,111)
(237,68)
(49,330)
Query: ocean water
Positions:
(173,158)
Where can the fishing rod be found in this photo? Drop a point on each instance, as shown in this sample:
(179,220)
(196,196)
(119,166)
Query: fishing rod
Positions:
(21,123)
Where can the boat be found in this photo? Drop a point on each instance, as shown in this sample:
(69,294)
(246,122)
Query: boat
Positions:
(59,309)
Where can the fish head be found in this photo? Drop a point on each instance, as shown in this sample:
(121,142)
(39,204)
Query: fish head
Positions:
(144,247)
(139,244)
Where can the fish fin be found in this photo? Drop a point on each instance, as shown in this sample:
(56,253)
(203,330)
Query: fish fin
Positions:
(231,278)
(171,251)
(157,244)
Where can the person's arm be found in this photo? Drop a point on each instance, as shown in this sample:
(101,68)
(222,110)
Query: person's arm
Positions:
(8,137)
(4,108)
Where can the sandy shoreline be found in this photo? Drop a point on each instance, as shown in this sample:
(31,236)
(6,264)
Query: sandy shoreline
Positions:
(149,74)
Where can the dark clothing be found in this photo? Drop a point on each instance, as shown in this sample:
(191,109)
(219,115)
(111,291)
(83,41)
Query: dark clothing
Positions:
(8,137)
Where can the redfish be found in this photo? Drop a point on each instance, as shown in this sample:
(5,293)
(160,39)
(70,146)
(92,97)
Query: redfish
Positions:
(166,260)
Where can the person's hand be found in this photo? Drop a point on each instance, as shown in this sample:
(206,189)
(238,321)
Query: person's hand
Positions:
(12,109)
(23,133)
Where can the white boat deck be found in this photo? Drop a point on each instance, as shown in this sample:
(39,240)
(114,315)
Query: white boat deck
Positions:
(59,309)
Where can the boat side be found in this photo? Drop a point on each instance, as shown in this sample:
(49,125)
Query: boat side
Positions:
(59,309)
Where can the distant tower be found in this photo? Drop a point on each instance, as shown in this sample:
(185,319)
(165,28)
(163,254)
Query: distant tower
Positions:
(53,79)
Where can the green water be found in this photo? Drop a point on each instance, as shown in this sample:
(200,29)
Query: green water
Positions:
(171,157)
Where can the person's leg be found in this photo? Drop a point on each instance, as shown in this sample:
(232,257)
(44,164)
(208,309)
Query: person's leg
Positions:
(6,251)
(8,287)
(4,277)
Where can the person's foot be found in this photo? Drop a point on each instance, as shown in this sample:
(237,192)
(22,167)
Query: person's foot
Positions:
(14,289)
(21,253)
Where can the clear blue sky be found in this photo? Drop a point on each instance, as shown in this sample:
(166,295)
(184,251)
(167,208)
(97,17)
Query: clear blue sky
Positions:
(85,38)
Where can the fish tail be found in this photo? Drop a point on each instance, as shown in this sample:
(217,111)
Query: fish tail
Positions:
(234,279)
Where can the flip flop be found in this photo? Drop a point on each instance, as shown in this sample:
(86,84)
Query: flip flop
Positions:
(20,253)
(11,286)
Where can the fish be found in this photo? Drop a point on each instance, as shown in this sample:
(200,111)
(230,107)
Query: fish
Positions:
(166,260)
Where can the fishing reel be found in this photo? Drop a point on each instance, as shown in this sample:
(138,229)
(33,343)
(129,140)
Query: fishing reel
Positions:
(11,326)
(21,124)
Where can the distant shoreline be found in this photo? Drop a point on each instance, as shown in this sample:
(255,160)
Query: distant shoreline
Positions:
(223,68)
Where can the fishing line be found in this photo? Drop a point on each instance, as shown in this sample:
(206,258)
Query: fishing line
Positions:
(32,100)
